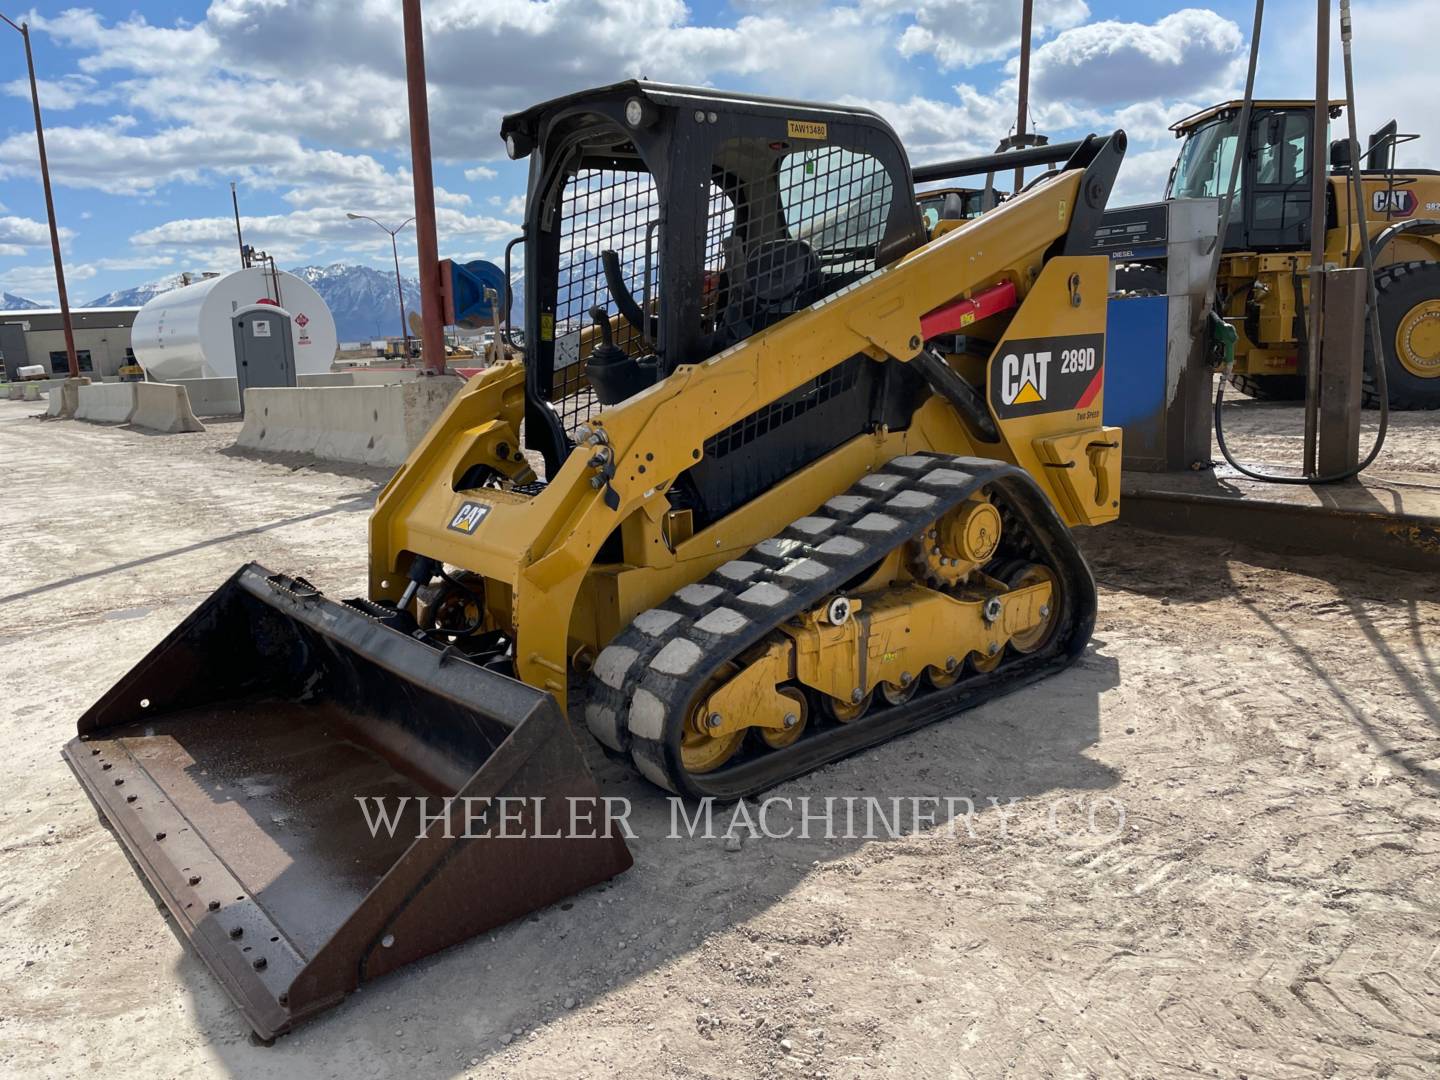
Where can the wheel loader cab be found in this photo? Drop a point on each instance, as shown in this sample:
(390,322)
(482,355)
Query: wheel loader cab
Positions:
(1262,288)
(1273,212)
(665,224)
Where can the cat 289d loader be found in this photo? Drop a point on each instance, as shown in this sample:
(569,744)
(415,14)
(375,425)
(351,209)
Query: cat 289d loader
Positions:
(800,478)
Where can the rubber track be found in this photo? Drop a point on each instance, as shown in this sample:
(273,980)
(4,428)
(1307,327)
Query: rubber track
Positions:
(645,679)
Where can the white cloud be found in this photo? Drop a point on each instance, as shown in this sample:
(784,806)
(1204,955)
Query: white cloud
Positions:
(38,282)
(132,44)
(479,173)
(251,66)
(1106,63)
(25,231)
(965,32)
(108,159)
(18,235)
(303,233)
(57,95)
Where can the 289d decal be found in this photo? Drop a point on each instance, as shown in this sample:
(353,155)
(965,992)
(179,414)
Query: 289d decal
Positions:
(1040,375)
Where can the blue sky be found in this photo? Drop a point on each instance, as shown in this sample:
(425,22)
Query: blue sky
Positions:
(153,106)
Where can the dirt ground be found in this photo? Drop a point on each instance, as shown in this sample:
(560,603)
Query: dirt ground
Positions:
(1272,434)
(1220,858)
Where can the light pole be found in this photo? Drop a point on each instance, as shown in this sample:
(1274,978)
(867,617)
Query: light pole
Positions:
(24,31)
(399,288)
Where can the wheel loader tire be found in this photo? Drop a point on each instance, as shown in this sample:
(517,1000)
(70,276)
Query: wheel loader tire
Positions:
(1409,300)
(1270,387)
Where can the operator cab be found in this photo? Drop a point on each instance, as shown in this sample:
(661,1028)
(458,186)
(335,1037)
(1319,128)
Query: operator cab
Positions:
(1273,211)
(950,204)
(664,224)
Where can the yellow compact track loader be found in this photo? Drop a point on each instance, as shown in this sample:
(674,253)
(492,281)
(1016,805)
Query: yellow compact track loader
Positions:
(800,477)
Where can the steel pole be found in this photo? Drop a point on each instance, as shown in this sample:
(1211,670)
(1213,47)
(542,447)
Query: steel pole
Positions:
(432,337)
(24,29)
(239,236)
(1318,186)
(400,291)
(1026,18)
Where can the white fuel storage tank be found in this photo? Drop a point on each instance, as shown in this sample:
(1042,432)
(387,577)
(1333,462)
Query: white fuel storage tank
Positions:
(191,332)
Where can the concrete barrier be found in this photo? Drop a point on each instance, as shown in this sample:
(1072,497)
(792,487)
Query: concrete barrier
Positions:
(106,403)
(15,391)
(382,376)
(163,407)
(326,378)
(30,391)
(366,425)
(212,397)
(68,395)
(361,377)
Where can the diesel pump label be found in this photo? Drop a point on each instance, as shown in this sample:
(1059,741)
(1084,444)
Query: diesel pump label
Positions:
(1043,375)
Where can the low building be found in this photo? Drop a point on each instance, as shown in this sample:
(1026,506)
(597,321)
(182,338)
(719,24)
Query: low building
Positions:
(102,341)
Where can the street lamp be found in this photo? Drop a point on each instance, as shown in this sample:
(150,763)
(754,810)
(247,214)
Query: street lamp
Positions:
(24,31)
(399,288)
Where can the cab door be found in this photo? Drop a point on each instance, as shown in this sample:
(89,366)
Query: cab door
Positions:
(1278,178)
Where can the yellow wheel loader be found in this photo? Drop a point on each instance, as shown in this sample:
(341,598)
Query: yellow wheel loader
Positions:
(779,477)
(1262,288)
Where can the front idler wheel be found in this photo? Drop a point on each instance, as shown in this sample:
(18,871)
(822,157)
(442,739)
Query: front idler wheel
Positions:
(700,751)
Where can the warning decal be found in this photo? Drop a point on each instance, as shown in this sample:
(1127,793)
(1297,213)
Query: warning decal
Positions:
(1041,375)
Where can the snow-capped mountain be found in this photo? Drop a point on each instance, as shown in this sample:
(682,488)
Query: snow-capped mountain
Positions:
(362,299)
(141,295)
(11,302)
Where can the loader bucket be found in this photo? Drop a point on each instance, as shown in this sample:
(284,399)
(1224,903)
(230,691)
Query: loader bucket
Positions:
(231,762)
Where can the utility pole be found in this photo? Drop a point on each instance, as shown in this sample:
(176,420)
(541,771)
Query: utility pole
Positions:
(239,237)
(1026,19)
(399,288)
(24,31)
(1319,181)
(432,328)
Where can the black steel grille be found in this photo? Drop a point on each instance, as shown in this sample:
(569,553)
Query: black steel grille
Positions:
(780,238)
(602,210)
(779,413)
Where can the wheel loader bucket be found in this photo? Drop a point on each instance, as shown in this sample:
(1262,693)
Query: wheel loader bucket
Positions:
(252,762)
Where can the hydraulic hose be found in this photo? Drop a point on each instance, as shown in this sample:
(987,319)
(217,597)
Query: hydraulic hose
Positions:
(1367,259)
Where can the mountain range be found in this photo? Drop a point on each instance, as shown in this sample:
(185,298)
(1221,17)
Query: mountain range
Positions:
(362,299)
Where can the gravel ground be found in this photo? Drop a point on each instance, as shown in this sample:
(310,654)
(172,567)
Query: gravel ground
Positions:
(1272,434)
(1212,849)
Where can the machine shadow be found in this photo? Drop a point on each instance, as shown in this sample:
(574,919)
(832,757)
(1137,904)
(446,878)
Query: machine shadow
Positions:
(379,475)
(358,504)
(456,1007)
(1201,571)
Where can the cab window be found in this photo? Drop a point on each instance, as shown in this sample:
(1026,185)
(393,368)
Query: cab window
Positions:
(1203,171)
